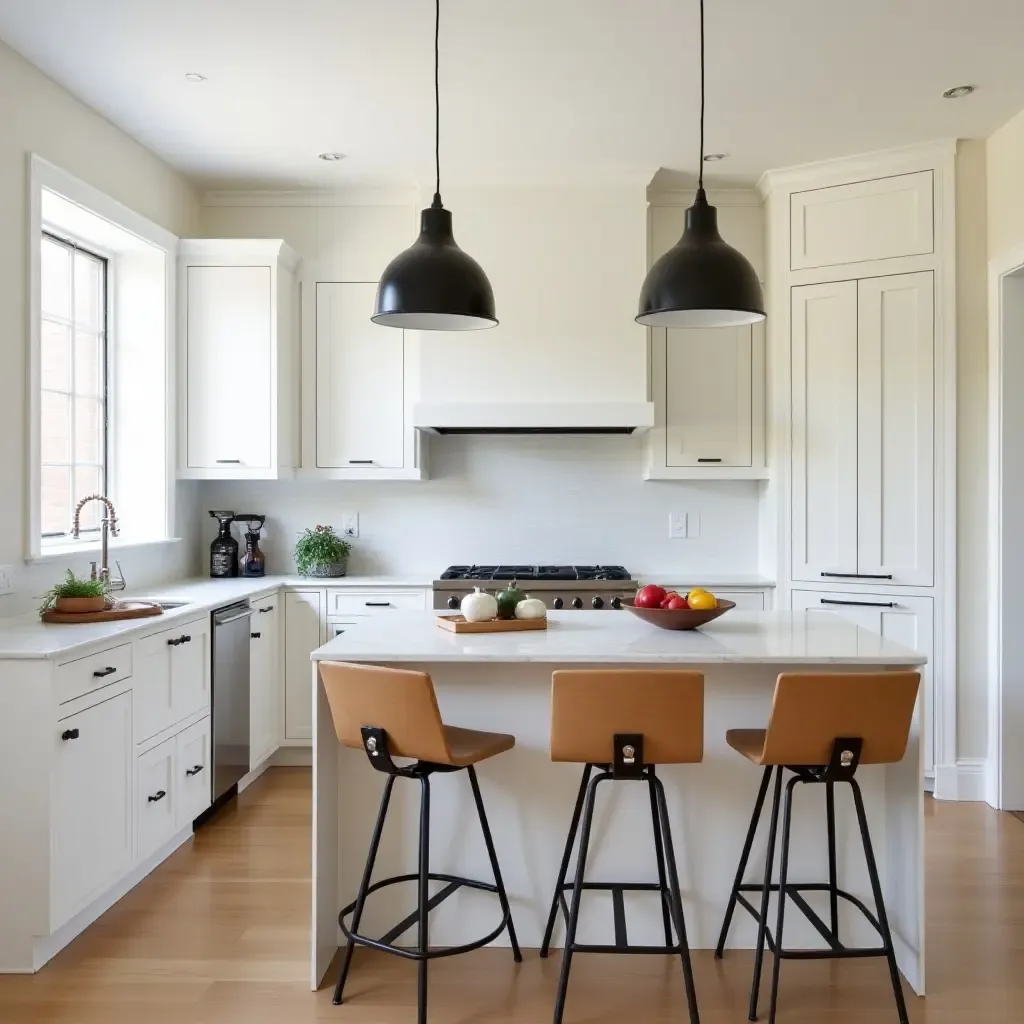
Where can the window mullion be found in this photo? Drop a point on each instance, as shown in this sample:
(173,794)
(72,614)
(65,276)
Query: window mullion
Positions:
(74,401)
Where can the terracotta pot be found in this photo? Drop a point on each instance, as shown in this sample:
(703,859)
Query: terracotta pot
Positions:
(79,605)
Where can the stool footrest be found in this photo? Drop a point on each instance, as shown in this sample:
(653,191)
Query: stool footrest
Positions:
(385,942)
(617,889)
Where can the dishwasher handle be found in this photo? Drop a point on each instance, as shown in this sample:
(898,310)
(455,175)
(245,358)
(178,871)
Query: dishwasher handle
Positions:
(244,614)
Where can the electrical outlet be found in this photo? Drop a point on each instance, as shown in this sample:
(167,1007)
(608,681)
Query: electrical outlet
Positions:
(6,579)
(350,524)
(677,524)
(693,525)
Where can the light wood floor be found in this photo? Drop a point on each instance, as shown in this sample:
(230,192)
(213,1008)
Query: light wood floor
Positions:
(219,934)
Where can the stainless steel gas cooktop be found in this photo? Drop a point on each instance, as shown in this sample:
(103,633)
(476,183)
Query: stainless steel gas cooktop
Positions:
(558,586)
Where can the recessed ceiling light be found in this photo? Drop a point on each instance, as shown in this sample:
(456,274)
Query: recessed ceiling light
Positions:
(713,158)
(958,92)
(332,157)
(194,76)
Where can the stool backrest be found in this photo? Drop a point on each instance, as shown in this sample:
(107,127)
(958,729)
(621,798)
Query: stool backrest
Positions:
(810,710)
(399,701)
(589,706)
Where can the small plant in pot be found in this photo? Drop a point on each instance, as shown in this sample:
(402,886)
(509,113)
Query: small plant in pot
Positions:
(321,552)
(74,596)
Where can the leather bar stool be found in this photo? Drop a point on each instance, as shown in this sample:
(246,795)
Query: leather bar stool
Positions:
(822,727)
(388,713)
(624,723)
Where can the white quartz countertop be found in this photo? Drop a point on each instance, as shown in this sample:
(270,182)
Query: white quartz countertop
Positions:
(586,637)
(25,636)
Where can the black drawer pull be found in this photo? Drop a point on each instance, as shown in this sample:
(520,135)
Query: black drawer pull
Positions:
(709,460)
(184,639)
(360,462)
(158,795)
(377,604)
(195,770)
(69,734)
(263,611)
(254,636)
(108,671)
(229,462)
(856,576)
(861,604)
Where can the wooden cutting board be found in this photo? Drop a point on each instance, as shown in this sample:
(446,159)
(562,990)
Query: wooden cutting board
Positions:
(121,610)
(458,624)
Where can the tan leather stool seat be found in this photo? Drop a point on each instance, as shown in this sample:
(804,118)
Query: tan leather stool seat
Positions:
(468,746)
(748,742)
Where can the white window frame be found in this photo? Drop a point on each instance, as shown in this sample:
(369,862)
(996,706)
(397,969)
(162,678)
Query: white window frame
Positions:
(44,176)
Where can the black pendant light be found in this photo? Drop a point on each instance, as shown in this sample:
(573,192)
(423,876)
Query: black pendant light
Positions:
(434,285)
(702,281)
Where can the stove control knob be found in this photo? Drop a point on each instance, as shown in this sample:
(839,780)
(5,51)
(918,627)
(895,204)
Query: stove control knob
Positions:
(577,602)
(453,602)
(597,603)
(616,603)
(557,603)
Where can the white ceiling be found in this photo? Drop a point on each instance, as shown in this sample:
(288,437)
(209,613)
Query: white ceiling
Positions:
(531,89)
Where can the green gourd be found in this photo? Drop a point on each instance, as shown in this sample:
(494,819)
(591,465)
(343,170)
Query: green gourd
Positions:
(507,601)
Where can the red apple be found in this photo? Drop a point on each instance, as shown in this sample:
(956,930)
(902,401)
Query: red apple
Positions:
(668,597)
(650,596)
(676,603)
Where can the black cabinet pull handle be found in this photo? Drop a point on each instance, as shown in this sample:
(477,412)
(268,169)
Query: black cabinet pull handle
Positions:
(360,462)
(158,795)
(195,770)
(254,636)
(229,462)
(377,604)
(709,460)
(69,734)
(184,639)
(861,604)
(108,671)
(173,642)
(857,576)
(263,611)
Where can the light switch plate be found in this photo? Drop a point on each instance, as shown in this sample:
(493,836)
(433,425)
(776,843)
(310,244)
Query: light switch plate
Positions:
(677,525)
(6,579)
(350,524)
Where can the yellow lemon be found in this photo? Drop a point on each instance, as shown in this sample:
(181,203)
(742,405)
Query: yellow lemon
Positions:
(701,600)
(696,590)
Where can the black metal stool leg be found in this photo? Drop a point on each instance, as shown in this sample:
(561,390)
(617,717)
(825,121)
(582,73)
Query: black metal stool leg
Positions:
(833,893)
(577,892)
(676,897)
(762,924)
(876,889)
(659,853)
(748,843)
(787,820)
(363,886)
(549,929)
(502,895)
(423,940)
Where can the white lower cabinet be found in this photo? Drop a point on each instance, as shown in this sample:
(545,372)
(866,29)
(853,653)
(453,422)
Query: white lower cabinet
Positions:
(92,804)
(304,619)
(904,620)
(156,798)
(192,771)
(264,679)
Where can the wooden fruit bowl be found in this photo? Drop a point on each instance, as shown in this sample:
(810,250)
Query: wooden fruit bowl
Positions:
(679,618)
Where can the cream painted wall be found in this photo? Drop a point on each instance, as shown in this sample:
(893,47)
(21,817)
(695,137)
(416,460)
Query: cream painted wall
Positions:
(1004,152)
(972,448)
(38,116)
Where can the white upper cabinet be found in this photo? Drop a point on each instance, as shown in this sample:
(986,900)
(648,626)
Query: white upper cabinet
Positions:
(360,376)
(865,220)
(862,390)
(237,320)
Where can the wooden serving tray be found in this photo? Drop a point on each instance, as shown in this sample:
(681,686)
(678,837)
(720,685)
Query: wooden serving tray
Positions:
(458,624)
(120,610)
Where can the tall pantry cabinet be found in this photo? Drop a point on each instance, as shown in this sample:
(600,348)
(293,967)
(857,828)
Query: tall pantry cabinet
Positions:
(861,329)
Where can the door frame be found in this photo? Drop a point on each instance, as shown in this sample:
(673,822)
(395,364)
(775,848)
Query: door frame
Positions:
(1004,777)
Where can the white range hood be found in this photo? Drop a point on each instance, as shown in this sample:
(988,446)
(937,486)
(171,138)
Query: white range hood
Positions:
(533,417)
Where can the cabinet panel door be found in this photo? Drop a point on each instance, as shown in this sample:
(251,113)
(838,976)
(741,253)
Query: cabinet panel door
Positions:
(92,808)
(190,670)
(824,424)
(193,772)
(156,798)
(154,696)
(360,382)
(229,366)
(896,427)
(909,622)
(264,680)
(304,613)
(708,389)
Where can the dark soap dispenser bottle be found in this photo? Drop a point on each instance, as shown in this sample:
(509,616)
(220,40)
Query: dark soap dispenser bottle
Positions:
(224,549)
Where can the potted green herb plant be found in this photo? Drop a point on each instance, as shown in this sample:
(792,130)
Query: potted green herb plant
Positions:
(321,552)
(75,596)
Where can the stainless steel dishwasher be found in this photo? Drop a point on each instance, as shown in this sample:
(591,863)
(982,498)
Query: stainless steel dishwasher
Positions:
(230,697)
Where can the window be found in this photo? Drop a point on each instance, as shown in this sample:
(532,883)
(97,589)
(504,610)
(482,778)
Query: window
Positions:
(73,385)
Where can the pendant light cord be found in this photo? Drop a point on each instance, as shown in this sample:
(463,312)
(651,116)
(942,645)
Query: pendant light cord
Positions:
(437,104)
(700,172)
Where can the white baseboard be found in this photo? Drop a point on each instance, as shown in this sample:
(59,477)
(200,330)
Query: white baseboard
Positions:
(965,780)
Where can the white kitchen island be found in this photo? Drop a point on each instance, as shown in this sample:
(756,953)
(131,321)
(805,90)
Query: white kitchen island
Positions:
(501,682)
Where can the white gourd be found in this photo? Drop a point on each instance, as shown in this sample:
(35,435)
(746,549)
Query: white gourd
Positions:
(531,608)
(479,607)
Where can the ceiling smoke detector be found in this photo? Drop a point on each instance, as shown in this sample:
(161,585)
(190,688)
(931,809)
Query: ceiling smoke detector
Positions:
(958,92)
(713,158)
(194,76)
(332,157)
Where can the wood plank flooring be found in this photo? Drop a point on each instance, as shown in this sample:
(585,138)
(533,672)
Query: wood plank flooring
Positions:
(218,934)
